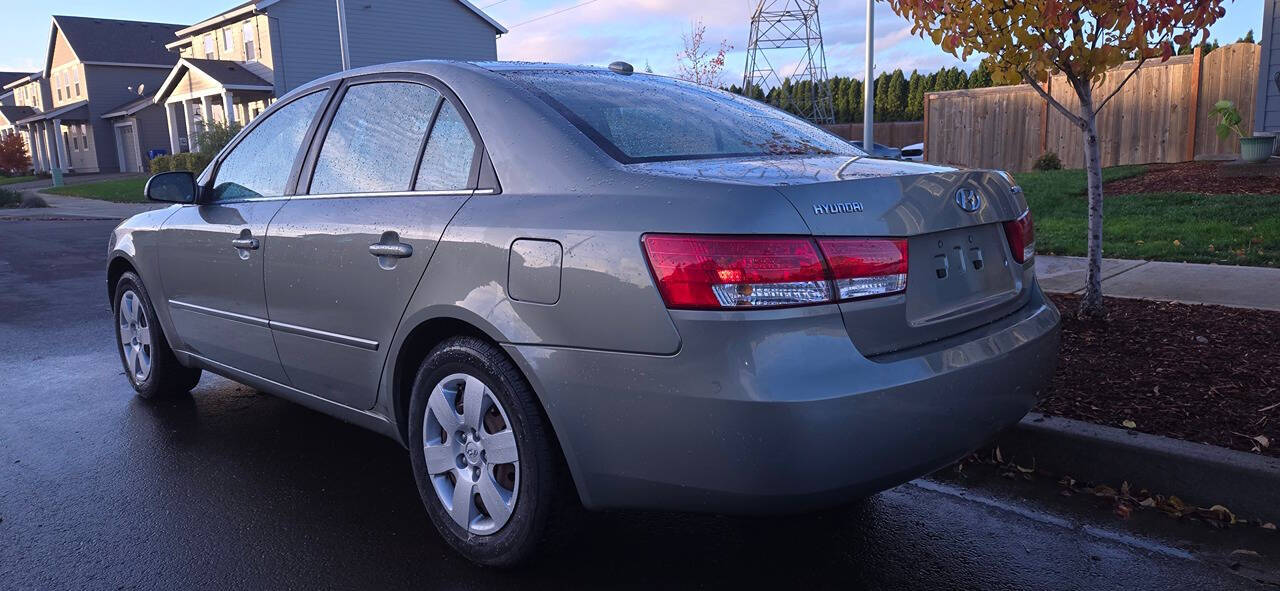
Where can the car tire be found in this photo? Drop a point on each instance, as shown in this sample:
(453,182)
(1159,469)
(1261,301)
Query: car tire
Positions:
(149,363)
(531,491)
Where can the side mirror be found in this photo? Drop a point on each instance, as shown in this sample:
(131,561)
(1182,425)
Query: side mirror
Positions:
(172,187)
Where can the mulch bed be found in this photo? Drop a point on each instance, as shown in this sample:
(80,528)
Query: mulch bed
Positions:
(1206,374)
(1211,178)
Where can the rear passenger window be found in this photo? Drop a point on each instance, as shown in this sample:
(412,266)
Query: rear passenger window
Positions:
(260,164)
(374,139)
(446,163)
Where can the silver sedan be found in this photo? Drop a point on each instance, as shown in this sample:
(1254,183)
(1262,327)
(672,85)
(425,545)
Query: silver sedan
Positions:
(565,286)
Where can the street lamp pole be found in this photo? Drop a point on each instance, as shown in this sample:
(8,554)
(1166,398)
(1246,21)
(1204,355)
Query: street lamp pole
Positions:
(868,100)
(342,35)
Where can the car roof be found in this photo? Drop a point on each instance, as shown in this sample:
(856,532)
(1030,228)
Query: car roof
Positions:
(534,66)
(442,67)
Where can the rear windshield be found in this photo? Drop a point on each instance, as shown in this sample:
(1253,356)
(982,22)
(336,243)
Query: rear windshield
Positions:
(647,118)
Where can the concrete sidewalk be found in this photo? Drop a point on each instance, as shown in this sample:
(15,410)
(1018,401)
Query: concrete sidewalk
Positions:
(1222,285)
(61,206)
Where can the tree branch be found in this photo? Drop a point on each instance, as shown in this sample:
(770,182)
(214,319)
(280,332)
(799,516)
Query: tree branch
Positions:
(1072,117)
(1141,61)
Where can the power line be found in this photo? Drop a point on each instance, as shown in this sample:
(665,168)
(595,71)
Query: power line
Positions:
(552,13)
(488,6)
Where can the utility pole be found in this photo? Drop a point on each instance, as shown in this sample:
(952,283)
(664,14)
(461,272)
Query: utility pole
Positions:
(342,35)
(868,100)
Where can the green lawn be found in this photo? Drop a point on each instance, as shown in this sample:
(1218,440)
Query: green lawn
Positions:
(127,190)
(9,180)
(1181,227)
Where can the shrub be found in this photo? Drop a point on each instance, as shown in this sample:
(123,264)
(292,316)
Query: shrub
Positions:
(33,201)
(1048,161)
(199,161)
(161,164)
(194,162)
(182,161)
(215,136)
(10,198)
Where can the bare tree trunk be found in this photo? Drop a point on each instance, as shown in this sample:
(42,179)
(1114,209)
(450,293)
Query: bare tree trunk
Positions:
(1091,303)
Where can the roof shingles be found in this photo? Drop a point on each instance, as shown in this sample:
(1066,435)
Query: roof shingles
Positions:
(120,42)
(227,73)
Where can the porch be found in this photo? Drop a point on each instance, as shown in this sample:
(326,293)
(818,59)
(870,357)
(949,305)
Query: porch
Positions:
(61,139)
(201,91)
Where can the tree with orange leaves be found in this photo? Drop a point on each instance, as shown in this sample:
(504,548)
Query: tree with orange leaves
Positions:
(1030,40)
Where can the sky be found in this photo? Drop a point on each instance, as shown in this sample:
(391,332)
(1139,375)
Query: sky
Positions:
(594,31)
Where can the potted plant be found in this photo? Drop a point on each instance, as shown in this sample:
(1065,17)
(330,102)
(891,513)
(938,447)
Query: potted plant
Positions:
(1253,148)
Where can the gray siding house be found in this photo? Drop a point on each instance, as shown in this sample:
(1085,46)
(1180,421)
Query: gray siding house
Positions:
(93,68)
(1267,116)
(235,63)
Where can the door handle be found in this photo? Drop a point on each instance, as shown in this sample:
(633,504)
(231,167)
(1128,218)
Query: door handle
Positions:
(245,243)
(389,250)
(395,251)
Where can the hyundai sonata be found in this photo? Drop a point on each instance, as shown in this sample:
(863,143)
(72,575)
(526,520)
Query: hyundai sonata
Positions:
(559,285)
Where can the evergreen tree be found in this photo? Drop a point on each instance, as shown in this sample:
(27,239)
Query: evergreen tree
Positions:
(915,97)
(981,76)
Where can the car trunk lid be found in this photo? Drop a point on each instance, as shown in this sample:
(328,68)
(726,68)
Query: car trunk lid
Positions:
(960,271)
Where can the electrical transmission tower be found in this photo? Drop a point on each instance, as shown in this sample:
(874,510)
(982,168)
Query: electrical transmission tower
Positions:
(787,31)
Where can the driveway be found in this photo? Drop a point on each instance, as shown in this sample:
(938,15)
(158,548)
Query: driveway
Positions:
(234,489)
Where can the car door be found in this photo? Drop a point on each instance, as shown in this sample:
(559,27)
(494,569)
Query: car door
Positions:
(212,253)
(394,159)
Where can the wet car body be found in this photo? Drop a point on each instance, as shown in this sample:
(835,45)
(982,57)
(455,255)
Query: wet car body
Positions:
(779,409)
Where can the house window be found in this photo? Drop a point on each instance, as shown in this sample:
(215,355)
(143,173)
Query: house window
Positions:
(227,42)
(84,133)
(57,84)
(249,54)
(75,76)
(208,47)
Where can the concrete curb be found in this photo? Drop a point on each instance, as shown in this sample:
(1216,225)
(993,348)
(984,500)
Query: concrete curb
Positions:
(1202,475)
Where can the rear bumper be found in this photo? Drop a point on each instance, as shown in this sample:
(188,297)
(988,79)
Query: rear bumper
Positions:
(781,413)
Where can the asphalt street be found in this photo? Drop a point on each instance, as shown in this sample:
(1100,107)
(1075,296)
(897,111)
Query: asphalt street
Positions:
(233,489)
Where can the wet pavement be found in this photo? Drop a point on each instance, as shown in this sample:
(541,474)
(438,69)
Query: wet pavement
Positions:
(235,489)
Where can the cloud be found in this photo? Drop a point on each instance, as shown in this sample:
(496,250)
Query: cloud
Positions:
(650,31)
(20,65)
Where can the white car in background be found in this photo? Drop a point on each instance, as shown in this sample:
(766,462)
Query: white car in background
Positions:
(914,152)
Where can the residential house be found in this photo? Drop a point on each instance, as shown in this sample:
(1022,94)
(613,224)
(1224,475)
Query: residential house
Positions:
(1267,114)
(235,63)
(96,71)
(28,94)
(10,113)
(6,94)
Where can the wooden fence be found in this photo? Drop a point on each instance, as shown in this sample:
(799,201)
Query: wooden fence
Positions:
(1161,115)
(890,133)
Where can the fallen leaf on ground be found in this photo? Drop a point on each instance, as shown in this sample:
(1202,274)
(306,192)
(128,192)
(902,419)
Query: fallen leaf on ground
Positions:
(1222,513)
(1129,424)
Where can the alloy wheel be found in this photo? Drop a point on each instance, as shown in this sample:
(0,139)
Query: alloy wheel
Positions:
(135,336)
(471,455)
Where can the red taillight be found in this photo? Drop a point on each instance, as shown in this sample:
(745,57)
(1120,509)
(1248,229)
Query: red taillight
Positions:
(1022,237)
(724,272)
(863,267)
(732,272)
